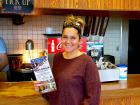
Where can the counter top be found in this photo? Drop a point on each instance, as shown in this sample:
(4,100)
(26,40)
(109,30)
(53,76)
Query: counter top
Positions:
(20,93)
(23,93)
(132,82)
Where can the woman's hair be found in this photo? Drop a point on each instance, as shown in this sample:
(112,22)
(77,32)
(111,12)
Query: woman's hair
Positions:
(74,22)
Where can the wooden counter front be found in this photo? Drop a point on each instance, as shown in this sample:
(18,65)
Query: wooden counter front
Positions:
(122,92)
(113,93)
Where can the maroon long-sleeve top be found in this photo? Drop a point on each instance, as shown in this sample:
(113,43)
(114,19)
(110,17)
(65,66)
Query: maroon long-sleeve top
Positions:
(77,81)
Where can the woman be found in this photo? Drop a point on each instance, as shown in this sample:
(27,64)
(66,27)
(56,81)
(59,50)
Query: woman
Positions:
(75,73)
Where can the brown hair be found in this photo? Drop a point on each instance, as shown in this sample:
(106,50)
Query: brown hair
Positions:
(74,22)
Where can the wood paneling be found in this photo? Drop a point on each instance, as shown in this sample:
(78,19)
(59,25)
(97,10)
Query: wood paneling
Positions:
(115,5)
(123,8)
(112,5)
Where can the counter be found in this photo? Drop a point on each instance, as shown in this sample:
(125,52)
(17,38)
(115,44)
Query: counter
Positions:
(20,93)
(113,93)
(122,93)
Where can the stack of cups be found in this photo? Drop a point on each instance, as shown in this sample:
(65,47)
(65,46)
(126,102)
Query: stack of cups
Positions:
(123,71)
(122,75)
(49,30)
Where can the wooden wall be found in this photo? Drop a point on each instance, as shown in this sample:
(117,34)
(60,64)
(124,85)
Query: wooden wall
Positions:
(113,5)
(123,8)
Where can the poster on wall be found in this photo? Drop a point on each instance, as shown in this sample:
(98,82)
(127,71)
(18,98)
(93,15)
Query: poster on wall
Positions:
(17,6)
(54,45)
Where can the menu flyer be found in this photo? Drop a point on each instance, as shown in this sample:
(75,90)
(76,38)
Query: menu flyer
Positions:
(44,78)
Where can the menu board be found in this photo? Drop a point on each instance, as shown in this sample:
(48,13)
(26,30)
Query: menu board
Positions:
(17,6)
(45,80)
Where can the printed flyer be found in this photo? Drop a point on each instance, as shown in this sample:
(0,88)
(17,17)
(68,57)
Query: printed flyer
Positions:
(44,78)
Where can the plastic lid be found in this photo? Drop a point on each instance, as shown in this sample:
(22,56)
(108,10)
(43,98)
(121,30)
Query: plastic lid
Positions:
(121,65)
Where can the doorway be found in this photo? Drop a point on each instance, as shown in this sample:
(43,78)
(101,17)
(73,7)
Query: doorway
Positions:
(134,47)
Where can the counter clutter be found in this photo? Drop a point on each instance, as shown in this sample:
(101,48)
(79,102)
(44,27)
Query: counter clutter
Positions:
(108,71)
(113,93)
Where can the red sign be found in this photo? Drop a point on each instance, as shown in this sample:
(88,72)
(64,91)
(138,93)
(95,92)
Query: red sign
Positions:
(54,45)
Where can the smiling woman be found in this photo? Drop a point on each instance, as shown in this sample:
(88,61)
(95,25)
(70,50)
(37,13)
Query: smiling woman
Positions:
(71,36)
(75,73)
(70,42)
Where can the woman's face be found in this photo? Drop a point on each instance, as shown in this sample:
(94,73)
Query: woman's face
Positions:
(70,39)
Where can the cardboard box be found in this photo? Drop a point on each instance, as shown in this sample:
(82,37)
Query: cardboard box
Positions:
(109,75)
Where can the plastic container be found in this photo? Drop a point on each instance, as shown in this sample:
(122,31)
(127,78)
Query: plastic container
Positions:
(122,71)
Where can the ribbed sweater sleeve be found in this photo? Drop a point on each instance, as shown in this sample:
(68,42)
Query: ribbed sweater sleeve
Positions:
(92,85)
